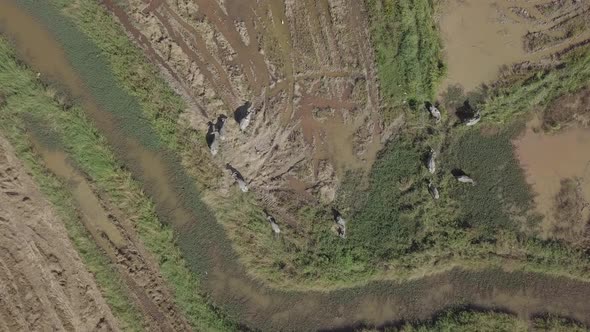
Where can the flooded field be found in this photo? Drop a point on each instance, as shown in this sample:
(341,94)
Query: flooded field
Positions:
(551,158)
(480,37)
(203,242)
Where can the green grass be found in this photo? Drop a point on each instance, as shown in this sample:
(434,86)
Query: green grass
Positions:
(538,88)
(501,192)
(408,51)
(23,96)
(552,323)
(466,320)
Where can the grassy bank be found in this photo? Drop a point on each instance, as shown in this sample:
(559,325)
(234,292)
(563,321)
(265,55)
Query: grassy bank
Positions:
(89,150)
(408,51)
(488,321)
(24,96)
(538,88)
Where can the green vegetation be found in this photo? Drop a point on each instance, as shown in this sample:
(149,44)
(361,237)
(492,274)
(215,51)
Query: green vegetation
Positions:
(501,192)
(23,96)
(554,323)
(464,320)
(457,320)
(408,51)
(538,88)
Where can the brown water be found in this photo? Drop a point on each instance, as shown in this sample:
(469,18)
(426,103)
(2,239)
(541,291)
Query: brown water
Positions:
(94,216)
(549,158)
(480,37)
(379,303)
(41,51)
(477,42)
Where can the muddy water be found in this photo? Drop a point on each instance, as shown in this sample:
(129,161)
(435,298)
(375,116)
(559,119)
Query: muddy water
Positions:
(480,37)
(477,42)
(41,51)
(324,126)
(549,158)
(37,45)
(93,215)
(257,306)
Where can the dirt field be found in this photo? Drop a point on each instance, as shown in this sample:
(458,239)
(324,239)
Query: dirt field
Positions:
(43,283)
(307,66)
(482,37)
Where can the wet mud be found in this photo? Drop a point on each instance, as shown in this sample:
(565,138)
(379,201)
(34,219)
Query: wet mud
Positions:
(548,159)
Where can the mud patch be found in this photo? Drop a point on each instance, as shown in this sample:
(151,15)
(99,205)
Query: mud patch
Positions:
(548,159)
(480,37)
(289,59)
(117,239)
(94,216)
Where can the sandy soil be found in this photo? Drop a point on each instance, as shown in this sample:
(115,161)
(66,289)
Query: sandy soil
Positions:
(43,283)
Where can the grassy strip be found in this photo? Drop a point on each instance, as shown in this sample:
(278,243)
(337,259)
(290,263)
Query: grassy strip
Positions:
(539,88)
(464,320)
(408,51)
(24,96)
(456,320)
(89,149)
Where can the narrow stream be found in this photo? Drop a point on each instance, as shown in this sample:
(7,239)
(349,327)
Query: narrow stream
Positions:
(87,76)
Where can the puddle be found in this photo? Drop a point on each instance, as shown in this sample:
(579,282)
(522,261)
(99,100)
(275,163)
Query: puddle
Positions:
(549,158)
(477,41)
(94,216)
(324,126)
(37,46)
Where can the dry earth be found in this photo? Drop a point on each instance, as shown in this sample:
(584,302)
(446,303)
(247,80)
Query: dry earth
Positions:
(44,286)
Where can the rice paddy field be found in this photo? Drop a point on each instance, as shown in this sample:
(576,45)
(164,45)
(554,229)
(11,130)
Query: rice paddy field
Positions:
(106,105)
